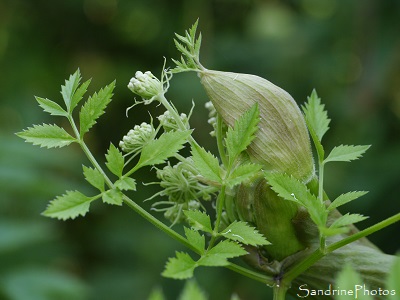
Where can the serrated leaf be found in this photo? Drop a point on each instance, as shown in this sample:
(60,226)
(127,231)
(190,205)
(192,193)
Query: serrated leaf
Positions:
(68,206)
(347,219)
(126,184)
(345,198)
(115,160)
(346,153)
(79,93)
(94,177)
(348,279)
(316,115)
(196,239)
(180,267)
(242,173)
(219,254)
(206,163)
(241,135)
(51,107)
(113,197)
(94,107)
(46,135)
(289,188)
(159,150)
(244,233)
(192,291)
(68,90)
(199,220)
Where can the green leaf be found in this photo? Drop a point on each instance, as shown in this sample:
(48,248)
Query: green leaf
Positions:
(333,231)
(345,198)
(240,136)
(47,135)
(393,280)
(68,206)
(347,219)
(68,90)
(167,145)
(346,153)
(94,177)
(51,107)
(206,163)
(192,291)
(180,267)
(113,197)
(126,184)
(289,188)
(218,255)
(195,239)
(315,115)
(79,93)
(94,108)
(199,220)
(244,233)
(347,280)
(115,160)
(242,173)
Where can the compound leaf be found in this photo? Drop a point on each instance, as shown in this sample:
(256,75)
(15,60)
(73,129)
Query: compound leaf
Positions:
(316,115)
(345,198)
(167,145)
(68,90)
(180,267)
(126,184)
(46,135)
(68,206)
(206,163)
(196,239)
(244,233)
(115,160)
(346,153)
(78,95)
(94,107)
(347,219)
(199,220)
(192,291)
(51,107)
(94,177)
(113,197)
(219,254)
(242,173)
(240,136)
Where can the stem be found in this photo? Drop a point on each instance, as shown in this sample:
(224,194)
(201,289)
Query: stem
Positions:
(280,291)
(318,254)
(251,274)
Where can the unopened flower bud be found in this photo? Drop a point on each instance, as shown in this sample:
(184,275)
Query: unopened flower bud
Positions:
(146,85)
(169,123)
(137,137)
(282,143)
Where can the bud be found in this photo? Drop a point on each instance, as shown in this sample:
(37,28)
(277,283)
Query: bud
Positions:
(146,85)
(137,137)
(282,143)
(168,122)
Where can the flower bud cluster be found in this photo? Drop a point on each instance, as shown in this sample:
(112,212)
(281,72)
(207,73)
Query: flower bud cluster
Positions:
(137,137)
(169,123)
(212,116)
(146,85)
(183,190)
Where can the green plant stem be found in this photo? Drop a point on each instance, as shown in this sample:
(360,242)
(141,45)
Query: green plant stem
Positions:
(269,280)
(280,291)
(318,254)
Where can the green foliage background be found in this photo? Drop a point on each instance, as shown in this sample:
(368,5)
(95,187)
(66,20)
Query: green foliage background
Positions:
(349,51)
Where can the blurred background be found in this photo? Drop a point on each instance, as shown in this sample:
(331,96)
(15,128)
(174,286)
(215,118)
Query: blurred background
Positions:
(348,50)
